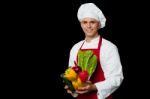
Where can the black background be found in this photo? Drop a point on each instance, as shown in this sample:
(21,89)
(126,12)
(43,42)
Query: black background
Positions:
(39,36)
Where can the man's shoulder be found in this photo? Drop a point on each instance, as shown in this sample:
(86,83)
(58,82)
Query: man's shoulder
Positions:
(108,44)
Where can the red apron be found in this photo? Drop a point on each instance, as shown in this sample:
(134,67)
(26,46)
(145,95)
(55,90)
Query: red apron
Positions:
(97,76)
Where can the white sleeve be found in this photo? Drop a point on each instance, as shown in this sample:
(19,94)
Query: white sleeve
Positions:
(73,54)
(71,59)
(112,68)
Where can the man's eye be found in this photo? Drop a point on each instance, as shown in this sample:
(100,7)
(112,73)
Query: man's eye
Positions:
(84,22)
(92,22)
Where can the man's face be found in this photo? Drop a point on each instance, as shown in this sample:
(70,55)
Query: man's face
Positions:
(90,26)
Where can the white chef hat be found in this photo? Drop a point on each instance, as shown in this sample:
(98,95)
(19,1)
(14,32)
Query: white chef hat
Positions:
(92,11)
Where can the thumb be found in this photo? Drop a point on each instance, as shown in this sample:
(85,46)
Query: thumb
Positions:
(89,82)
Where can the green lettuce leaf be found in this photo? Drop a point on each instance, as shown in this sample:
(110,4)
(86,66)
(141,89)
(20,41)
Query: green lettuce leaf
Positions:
(87,61)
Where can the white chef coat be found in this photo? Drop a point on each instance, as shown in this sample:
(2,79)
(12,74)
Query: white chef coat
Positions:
(110,63)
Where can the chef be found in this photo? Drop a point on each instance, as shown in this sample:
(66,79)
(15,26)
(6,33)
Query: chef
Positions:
(108,75)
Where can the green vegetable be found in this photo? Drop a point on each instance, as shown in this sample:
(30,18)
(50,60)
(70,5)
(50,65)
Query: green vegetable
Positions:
(87,60)
(67,82)
(92,63)
(80,58)
(87,56)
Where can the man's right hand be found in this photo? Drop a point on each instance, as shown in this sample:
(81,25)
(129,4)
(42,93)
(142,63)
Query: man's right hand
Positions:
(70,92)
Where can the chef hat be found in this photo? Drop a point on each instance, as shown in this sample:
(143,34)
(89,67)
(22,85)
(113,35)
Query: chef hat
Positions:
(92,11)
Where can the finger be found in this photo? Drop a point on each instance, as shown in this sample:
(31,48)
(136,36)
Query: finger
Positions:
(66,87)
(69,91)
(84,88)
(81,92)
(74,94)
(89,82)
(81,88)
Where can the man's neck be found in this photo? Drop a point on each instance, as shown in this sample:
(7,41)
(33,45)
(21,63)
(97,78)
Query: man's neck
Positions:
(88,39)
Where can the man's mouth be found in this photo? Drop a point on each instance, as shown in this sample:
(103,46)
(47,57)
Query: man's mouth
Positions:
(89,30)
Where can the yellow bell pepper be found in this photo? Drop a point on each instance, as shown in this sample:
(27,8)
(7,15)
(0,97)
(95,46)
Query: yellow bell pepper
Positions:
(70,74)
(77,83)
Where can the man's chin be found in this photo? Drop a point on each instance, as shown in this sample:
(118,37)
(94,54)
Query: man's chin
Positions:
(89,35)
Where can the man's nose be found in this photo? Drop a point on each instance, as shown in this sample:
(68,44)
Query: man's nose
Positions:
(88,25)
